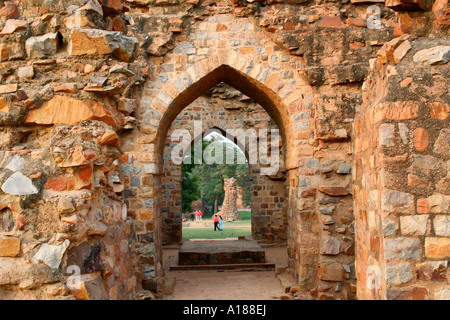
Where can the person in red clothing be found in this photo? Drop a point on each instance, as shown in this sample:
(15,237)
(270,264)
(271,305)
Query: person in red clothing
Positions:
(200,215)
(197,216)
(216,222)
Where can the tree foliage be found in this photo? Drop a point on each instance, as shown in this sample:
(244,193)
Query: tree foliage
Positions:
(207,179)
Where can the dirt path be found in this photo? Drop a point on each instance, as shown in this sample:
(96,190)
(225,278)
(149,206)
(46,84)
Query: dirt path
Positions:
(206,224)
(226,285)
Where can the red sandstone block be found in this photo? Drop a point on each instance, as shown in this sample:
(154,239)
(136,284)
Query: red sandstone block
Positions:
(357,22)
(439,110)
(9,10)
(420,138)
(332,22)
(60,184)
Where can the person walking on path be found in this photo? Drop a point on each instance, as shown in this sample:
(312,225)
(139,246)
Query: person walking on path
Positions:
(220,223)
(197,216)
(200,214)
(216,222)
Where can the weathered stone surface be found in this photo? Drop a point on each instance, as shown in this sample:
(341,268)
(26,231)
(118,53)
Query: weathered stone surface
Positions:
(51,255)
(442,294)
(65,206)
(65,110)
(14,274)
(315,75)
(25,72)
(331,272)
(356,22)
(439,110)
(8,88)
(402,5)
(401,110)
(327,210)
(412,293)
(109,138)
(386,135)
(67,87)
(396,201)
(398,273)
(432,271)
(442,144)
(437,248)
(4,107)
(79,20)
(75,158)
(42,46)
(139,2)
(16,163)
(334,191)
(127,106)
(442,225)
(19,185)
(9,10)
(386,52)
(96,228)
(390,225)
(433,56)
(121,69)
(332,22)
(88,287)
(401,51)
(9,246)
(71,219)
(100,42)
(402,248)
(57,289)
(343,169)
(437,203)
(414,225)
(87,256)
(421,139)
(330,246)
(11,51)
(94,6)
(12,25)
(112,6)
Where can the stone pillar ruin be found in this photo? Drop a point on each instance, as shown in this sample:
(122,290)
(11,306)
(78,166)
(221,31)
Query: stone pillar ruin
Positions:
(229,210)
(240,197)
(402,173)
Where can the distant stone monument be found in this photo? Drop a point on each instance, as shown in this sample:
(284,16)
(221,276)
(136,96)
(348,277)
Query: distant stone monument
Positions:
(240,197)
(229,210)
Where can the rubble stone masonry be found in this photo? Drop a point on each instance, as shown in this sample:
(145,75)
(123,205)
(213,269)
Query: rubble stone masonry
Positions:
(89,90)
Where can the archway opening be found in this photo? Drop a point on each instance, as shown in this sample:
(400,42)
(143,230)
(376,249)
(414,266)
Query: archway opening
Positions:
(256,91)
(250,129)
(269,212)
(216,194)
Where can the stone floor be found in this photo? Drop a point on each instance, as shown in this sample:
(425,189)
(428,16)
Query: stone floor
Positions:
(227,285)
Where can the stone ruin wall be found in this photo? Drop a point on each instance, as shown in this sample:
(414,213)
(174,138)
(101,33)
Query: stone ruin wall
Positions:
(83,188)
(225,108)
(229,210)
(402,173)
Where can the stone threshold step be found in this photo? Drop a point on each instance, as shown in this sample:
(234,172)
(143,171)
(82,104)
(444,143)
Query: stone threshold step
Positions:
(233,267)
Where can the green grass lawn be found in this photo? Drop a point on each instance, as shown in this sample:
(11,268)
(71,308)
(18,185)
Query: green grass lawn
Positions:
(211,234)
(245,220)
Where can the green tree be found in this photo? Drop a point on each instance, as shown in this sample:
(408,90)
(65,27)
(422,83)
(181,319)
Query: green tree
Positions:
(213,175)
(190,186)
(207,180)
